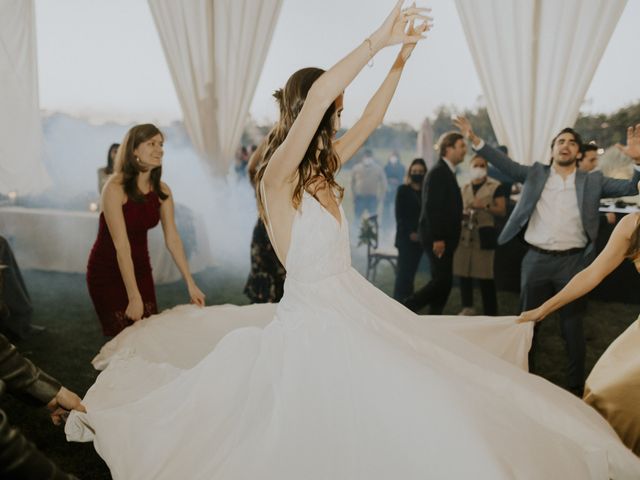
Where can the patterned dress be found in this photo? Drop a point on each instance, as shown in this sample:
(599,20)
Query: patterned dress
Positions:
(265,283)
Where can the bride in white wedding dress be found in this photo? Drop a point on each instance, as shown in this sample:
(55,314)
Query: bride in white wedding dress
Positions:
(337,381)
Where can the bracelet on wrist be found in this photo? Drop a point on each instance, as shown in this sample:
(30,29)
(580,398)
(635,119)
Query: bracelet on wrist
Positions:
(370,45)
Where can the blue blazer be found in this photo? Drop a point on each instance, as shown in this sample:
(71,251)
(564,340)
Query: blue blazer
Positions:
(590,188)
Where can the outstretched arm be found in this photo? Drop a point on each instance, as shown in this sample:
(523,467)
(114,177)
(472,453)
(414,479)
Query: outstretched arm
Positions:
(174,245)
(347,145)
(613,188)
(515,170)
(585,281)
(328,87)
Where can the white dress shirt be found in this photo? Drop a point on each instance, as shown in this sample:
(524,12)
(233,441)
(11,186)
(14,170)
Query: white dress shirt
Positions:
(451,166)
(555,223)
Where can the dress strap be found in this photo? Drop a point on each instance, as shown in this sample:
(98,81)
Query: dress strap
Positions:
(268,219)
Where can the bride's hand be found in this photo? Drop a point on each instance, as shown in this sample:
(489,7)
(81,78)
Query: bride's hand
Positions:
(412,31)
(394,29)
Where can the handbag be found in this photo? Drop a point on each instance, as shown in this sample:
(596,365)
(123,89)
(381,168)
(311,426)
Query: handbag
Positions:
(488,238)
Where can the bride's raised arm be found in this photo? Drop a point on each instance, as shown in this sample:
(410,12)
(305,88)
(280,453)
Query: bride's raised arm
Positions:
(347,145)
(282,165)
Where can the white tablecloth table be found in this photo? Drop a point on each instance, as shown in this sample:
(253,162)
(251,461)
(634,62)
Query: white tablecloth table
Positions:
(60,240)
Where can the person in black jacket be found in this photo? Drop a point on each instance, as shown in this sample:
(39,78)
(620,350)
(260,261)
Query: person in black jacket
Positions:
(407,205)
(19,458)
(440,224)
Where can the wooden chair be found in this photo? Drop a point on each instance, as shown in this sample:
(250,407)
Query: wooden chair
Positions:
(369,237)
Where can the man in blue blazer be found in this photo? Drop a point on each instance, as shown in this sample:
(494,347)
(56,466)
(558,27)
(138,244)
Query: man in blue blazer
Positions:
(558,216)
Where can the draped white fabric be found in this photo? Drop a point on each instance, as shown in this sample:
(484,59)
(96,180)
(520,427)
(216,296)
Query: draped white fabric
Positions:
(21,167)
(535,60)
(215,50)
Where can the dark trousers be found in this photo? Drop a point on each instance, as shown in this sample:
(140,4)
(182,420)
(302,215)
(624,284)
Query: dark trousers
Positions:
(436,292)
(362,203)
(15,303)
(542,276)
(487,291)
(409,255)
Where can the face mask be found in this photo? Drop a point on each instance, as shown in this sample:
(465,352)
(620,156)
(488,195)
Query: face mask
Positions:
(393,159)
(478,172)
(367,161)
(416,177)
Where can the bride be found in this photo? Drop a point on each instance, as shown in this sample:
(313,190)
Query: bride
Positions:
(337,381)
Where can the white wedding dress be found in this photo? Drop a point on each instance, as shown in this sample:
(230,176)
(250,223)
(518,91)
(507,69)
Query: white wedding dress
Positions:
(339,382)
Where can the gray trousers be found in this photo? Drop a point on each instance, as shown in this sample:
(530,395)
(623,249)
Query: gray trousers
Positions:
(542,276)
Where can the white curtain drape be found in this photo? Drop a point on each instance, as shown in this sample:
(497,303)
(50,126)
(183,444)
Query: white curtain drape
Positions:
(215,50)
(535,60)
(21,167)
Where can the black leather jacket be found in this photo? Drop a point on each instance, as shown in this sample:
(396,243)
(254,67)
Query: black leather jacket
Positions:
(19,458)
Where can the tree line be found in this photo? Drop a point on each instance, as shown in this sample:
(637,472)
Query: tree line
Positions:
(604,129)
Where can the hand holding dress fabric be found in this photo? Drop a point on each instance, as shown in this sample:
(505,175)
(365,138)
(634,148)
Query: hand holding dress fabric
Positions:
(195,294)
(60,405)
(535,315)
(135,309)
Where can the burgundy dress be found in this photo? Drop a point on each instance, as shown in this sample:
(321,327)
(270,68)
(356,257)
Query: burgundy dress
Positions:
(104,280)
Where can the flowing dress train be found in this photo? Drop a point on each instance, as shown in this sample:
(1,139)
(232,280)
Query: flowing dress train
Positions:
(337,381)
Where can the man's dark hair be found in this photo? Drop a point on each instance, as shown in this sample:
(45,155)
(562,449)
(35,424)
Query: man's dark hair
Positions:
(588,147)
(448,140)
(576,137)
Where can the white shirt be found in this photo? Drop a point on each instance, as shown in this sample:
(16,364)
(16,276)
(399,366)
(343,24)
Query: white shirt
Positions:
(451,166)
(555,223)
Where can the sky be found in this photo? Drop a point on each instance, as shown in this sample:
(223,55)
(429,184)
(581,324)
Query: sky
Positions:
(102,60)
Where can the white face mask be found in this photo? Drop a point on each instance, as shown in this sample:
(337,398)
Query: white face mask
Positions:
(393,159)
(478,172)
(367,161)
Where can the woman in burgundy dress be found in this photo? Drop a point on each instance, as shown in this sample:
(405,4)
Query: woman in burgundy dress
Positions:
(133,201)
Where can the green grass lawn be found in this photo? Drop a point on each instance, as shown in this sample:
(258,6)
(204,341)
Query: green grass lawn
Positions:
(73,337)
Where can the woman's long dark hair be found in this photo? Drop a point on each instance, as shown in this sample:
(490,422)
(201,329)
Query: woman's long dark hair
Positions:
(128,166)
(415,161)
(113,149)
(320,159)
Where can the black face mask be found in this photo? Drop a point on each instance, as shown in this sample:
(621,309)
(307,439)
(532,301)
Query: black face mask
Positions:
(417,177)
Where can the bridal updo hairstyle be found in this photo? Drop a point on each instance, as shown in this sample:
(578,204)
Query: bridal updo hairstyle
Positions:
(127,163)
(320,159)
